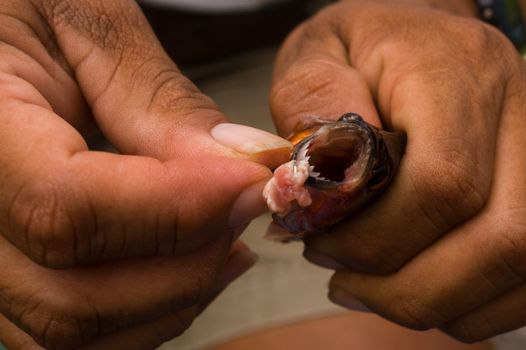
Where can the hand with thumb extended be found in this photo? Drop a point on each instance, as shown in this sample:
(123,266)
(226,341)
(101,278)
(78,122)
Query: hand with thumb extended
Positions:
(114,250)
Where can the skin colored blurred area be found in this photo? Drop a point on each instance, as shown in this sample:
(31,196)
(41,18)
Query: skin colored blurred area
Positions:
(351,330)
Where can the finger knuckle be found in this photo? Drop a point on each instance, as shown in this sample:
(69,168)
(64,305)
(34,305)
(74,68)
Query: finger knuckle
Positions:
(306,81)
(480,35)
(40,217)
(103,25)
(484,39)
(55,333)
(172,91)
(60,324)
(467,42)
(483,45)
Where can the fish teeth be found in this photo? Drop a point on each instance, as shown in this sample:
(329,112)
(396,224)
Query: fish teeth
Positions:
(317,177)
(312,173)
(302,154)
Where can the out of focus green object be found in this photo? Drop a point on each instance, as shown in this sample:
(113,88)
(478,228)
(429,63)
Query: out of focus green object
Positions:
(507,16)
(2,347)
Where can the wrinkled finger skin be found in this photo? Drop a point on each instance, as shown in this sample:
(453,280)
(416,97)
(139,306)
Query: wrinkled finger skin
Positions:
(444,245)
(102,250)
(158,299)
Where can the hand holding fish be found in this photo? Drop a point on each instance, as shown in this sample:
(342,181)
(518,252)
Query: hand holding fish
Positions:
(444,246)
(113,251)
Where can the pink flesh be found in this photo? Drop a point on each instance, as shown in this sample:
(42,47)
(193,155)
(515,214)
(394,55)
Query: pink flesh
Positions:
(287,187)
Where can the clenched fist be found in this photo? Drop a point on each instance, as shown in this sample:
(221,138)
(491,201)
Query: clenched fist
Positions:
(445,245)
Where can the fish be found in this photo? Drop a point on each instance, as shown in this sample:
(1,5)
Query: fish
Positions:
(336,168)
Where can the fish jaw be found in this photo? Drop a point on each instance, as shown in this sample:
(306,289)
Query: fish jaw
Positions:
(335,169)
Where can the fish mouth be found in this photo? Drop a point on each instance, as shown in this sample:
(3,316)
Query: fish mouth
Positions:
(336,168)
(337,155)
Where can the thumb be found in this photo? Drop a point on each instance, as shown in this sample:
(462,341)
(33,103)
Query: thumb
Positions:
(141,101)
(187,175)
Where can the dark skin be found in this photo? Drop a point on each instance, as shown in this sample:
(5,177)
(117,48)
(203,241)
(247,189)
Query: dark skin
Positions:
(444,246)
(104,250)
(124,251)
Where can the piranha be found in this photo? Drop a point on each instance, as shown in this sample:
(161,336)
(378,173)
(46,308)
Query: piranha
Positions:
(335,169)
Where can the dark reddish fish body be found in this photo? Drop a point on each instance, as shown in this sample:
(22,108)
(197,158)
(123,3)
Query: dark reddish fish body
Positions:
(336,168)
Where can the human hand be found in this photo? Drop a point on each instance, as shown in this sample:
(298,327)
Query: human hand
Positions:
(107,250)
(127,304)
(444,245)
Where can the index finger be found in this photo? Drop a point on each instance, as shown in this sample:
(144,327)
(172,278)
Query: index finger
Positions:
(313,78)
(62,204)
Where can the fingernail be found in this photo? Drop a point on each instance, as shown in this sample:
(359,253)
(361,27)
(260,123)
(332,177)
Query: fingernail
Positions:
(343,298)
(237,264)
(322,260)
(246,139)
(248,206)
